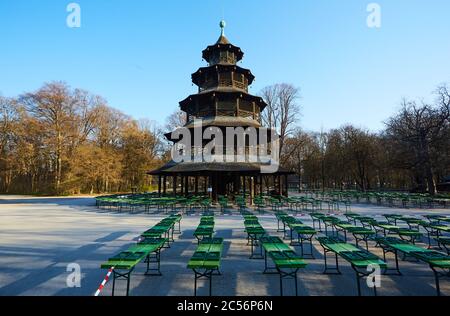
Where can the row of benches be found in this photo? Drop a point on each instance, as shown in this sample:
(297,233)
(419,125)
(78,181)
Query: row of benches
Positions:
(286,261)
(206,260)
(359,259)
(147,250)
(382,234)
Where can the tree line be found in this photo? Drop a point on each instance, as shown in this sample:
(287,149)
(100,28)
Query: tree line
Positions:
(411,153)
(60,140)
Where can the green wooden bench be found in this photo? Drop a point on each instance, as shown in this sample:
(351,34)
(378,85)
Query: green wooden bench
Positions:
(260,204)
(205,229)
(302,233)
(393,218)
(359,259)
(223,202)
(164,229)
(124,263)
(439,263)
(326,220)
(436,230)
(241,202)
(286,262)
(359,233)
(254,232)
(206,261)
(317,218)
(444,241)
(353,217)
(389,228)
(280,216)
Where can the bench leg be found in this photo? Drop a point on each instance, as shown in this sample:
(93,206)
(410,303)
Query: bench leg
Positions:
(436,278)
(198,275)
(266,266)
(128,284)
(281,285)
(253,245)
(359,276)
(210,285)
(358,283)
(157,260)
(195,284)
(114,283)
(397,267)
(126,276)
(301,241)
(291,274)
(327,269)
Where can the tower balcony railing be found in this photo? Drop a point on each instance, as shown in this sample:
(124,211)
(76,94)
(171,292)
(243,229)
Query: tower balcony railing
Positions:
(232,113)
(240,85)
(233,84)
(219,154)
(247,114)
(223,83)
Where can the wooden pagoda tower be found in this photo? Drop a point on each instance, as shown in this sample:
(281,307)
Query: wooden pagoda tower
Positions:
(222,101)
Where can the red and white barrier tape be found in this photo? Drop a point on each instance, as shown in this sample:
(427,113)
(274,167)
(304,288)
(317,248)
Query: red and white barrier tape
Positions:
(100,288)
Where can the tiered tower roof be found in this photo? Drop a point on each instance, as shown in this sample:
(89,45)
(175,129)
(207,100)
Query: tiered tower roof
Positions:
(223,88)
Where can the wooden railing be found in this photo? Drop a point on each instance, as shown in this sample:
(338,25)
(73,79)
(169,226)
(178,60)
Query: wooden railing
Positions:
(246,114)
(224,83)
(233,83)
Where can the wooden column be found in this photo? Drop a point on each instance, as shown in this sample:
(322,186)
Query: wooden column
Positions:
(274,178)
(214,180)
(286,185)
(196,185)
(182,185)
(254,110)
(280,191)
(252,189)
(216,104)
(175,185)
(261,186)
(159,186)
(164,185)
(186,186)
(236,184)
(245,186)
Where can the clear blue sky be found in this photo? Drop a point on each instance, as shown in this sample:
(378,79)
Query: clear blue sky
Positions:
(139,55)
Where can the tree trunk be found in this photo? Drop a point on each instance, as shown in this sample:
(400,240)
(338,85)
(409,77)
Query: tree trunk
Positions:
(430,180)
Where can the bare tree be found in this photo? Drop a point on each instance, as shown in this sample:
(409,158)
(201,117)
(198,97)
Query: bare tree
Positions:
(9,117)
(282,111)
(359,150)
(176,120)
(420,127)
(53,105)
(270,115)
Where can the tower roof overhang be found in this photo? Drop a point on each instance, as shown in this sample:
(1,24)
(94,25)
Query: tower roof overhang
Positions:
(186,103)
(206,54)
(223,122)
(192,168)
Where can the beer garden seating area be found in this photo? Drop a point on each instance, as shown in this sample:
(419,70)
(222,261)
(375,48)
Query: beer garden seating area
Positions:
(336,229)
